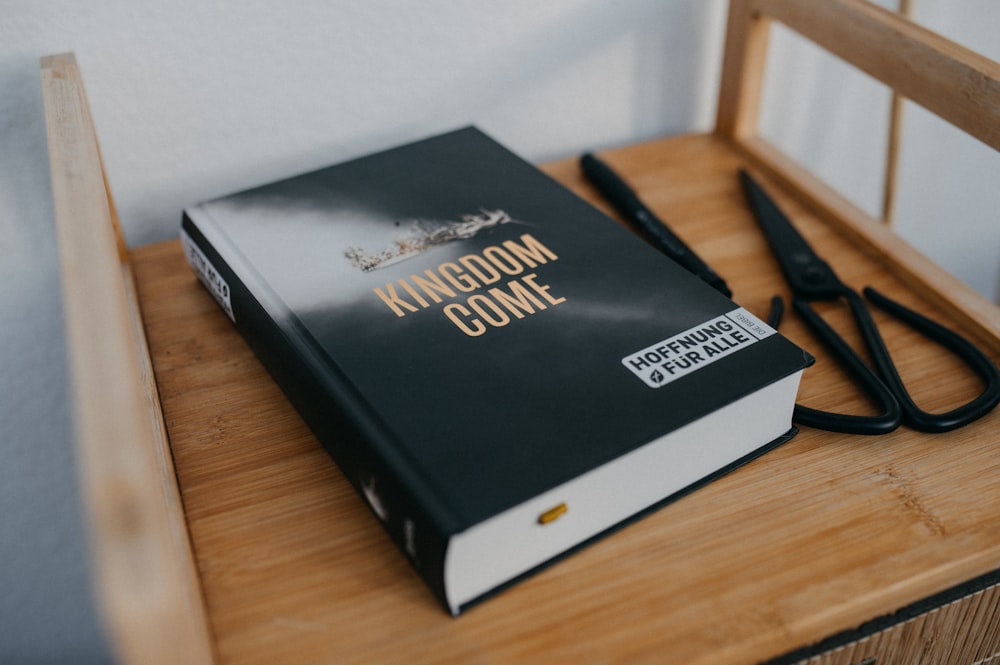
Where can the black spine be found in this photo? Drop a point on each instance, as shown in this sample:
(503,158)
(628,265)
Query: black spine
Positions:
(422,538)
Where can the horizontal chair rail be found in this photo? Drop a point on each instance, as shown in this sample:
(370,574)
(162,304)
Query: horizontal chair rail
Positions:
(951,81)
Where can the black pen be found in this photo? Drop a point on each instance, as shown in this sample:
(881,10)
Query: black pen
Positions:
(626,202)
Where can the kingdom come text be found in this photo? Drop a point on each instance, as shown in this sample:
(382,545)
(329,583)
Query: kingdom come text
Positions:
(474,305)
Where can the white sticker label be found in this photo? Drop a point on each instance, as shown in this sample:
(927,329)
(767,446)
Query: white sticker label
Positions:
(207,273)
(688,351)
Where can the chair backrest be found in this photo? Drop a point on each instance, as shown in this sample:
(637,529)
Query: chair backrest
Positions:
(949,80)
(953,82)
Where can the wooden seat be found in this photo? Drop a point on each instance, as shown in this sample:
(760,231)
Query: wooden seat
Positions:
(223,532)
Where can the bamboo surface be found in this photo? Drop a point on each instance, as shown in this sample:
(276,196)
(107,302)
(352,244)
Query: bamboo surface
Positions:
(931,637)
(815,537)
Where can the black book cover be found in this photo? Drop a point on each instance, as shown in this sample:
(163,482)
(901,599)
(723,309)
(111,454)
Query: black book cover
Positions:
(501,371)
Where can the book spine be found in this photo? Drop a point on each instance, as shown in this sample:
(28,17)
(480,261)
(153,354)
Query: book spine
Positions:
(341,421)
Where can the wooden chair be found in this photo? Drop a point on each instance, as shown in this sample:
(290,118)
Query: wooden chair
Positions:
(222,533)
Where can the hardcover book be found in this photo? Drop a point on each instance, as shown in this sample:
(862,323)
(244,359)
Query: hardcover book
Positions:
(502,372)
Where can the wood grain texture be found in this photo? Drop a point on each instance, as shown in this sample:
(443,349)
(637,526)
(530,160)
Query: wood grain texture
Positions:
(963,632)
(147,583)
(816,537)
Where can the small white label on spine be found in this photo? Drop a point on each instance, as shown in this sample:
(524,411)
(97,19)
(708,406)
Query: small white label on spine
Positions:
(695,348)
(207,273)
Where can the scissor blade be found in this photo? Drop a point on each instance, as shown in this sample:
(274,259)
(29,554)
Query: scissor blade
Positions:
(805,271)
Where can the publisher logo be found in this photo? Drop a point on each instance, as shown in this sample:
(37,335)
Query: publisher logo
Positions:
(699,346)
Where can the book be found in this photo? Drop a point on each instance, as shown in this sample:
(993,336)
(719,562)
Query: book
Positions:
(502,372)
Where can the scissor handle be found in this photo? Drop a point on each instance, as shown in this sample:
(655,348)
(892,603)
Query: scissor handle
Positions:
(891,413)
(978,361)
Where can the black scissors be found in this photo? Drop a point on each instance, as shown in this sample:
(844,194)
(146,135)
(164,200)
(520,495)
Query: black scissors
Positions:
(811,279)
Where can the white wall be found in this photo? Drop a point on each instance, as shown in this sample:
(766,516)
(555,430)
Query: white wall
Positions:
(195,98)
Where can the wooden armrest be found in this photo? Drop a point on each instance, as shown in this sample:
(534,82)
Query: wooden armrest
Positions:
(947,79)
(147,583)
